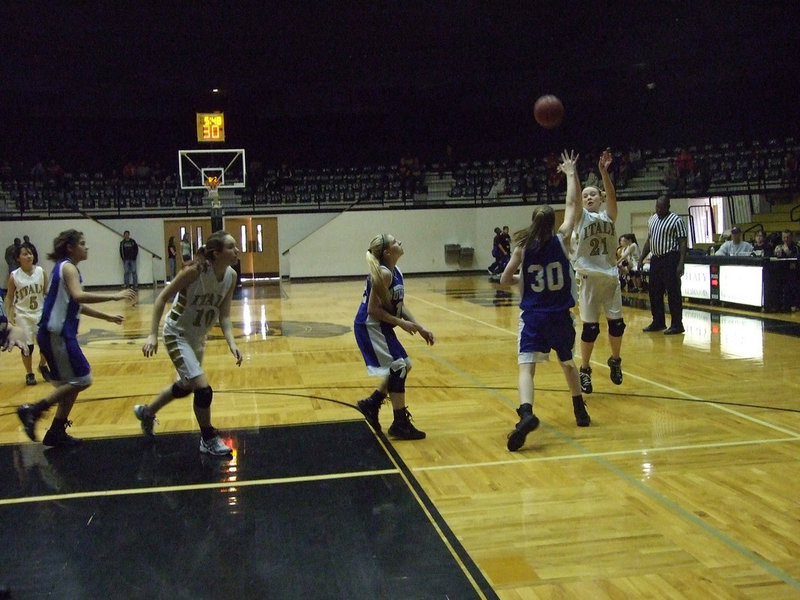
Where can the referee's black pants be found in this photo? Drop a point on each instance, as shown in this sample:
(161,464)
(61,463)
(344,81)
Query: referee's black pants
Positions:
(664,278)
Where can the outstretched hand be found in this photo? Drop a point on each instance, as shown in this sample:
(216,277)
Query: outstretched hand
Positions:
(127,294)
(427,335)
(605,161)
(568,162)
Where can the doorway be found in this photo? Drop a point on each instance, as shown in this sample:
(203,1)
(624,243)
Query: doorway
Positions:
(257,238)
(197,231)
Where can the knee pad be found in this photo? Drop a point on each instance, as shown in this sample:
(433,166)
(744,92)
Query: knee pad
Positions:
(616,327)
(203,397)
(397,381)
(179,392)
(590,332)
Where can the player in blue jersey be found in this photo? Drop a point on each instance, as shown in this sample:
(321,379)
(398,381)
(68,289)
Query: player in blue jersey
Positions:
(200,296)
(547,287)
(57,337)
(382,309)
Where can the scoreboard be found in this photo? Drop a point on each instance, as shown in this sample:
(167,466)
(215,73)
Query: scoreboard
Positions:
(210,127)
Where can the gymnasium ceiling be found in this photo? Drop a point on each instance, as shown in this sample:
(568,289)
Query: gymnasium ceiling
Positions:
(411,76)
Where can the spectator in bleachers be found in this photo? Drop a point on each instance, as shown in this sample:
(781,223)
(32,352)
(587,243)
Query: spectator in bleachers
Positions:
(789,170)
(702,176)
(143,171)
(671,180)
(54,171)
(621,169)
(448,162)
(636,160)
(129,170)
(6,173)
(735,246)
(38,171)
(761,246)
(405,171)
(684,165)
(554,177)
(285,178)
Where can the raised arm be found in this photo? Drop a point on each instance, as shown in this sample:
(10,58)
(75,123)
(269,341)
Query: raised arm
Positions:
(568,166)
(611,194)
(73,284)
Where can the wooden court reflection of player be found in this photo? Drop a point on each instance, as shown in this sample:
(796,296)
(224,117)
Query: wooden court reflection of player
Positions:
(201,295)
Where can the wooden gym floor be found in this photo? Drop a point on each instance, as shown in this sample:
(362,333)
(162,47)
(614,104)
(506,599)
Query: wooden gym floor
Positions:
(685,485)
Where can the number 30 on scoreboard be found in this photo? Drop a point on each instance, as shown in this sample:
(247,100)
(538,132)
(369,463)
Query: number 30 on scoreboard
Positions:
(210,127)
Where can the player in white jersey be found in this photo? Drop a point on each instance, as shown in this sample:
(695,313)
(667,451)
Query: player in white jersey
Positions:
(595,264)
(24,302)
(201,296)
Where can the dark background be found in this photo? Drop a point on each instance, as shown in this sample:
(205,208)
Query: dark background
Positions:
(96,84)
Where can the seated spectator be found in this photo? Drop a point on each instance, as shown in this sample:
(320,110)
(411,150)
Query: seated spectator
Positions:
(761,247)
(789,170)
(684,165)
(670,179)
(635,160)
(38,171)
(787,248)
(735,246)
(620,169)
(702,176)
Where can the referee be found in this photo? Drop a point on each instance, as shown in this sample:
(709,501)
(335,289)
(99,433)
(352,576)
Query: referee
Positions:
(666,238)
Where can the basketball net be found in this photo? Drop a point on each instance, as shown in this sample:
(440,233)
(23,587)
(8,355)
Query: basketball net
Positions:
(213,193)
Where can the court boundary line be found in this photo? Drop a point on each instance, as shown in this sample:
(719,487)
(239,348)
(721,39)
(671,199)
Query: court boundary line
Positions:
(191,487)
(457,550)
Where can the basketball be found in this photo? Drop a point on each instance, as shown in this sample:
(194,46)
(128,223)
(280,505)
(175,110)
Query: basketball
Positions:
(548,111)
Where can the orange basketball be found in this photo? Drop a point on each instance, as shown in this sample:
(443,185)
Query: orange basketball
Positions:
(548,111)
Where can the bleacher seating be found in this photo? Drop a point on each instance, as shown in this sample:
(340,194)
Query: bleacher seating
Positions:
(724,168)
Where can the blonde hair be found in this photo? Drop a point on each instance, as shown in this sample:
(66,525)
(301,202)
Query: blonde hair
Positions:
(543,220)
(377,247)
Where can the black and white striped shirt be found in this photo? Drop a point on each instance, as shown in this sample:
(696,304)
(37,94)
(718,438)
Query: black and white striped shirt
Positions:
(665,233)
